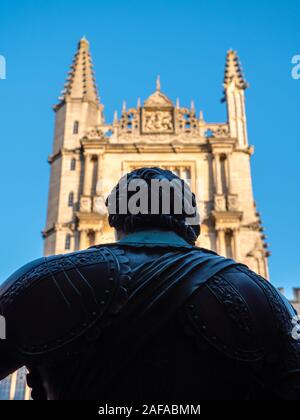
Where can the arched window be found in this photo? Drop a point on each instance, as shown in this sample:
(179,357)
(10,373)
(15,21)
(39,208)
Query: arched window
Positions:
(76,127)
(71,199)
(68,242)
(73,165)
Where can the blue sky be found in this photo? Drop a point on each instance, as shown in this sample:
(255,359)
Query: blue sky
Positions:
(132,42)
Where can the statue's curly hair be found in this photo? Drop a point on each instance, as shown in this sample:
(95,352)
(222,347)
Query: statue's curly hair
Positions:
(171,221)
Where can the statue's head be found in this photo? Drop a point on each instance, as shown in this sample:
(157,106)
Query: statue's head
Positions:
(153,198)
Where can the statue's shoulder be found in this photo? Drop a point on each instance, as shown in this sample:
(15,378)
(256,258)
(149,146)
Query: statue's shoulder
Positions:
(239,313)
(55,300)
(43,267)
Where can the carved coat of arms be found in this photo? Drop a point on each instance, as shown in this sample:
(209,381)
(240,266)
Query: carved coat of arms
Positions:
(157,121)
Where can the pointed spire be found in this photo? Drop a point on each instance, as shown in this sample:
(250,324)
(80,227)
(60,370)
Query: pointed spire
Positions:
(234,71)
(201,117)
(158,84)
(124,106)
(80,82)
(83,39)
(115,117)
(234,86)
(192,105)
(158,99)
(139,103)
(177,103)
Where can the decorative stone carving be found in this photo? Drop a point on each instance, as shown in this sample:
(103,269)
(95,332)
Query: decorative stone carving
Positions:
(158,100)
(217,130)
(130,121)
(157,121)
(187,121)
(99,206)
(233,204)
(94,133)
(85,204)
(220,202)
(254,226)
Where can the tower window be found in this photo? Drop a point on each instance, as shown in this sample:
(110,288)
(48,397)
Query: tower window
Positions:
(73,165)
(68,242)
(76,127)
(71,199)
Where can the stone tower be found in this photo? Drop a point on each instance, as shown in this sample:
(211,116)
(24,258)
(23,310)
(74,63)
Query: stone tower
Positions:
(78,109)
(90,155)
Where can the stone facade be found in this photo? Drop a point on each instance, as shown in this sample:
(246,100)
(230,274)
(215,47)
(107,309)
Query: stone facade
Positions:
(89,156)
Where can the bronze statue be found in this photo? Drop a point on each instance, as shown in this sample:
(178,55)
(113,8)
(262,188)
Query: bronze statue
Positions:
(149,317)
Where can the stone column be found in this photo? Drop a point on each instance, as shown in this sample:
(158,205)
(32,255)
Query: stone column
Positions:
(83,239)
(87,182)
(228,173)
(217,174)
(219,198)
(267,275)
(232,198)
(221,241)
(235,248)
(98,237)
